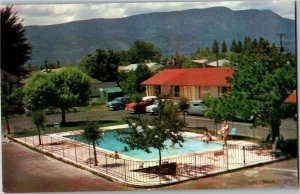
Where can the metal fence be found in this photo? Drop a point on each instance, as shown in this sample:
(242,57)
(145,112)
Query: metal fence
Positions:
(134,172)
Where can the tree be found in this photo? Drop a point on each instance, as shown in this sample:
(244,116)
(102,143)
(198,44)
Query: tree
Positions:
(14,53)
(64,89)
(39,92)
(11,100)
(132,83)
(141,51)
(247,43)
(183,106)
(38,118)
(224,47)
(234,46)
(15,48)
(262,81)
(93,134)
(102,66)
(215,50)
(239,47)
(143,134)
(142,73)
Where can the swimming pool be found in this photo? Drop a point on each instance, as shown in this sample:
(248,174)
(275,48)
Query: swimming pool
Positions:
(109,142)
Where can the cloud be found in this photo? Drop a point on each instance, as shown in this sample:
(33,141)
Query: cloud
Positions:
(44,14)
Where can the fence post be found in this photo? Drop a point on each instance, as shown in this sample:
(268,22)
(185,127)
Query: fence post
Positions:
(63,148)
(106,163)
(90,156)
(32,140)
(244,156)
(125,169)
(75,153)
(195,165)
(227,157)
(51,144)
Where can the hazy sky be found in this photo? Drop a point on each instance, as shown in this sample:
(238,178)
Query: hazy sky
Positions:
(41,12)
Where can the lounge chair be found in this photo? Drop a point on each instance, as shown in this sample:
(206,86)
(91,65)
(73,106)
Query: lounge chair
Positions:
(232,132)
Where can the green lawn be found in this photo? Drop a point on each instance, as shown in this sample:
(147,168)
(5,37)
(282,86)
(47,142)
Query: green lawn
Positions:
(69,126)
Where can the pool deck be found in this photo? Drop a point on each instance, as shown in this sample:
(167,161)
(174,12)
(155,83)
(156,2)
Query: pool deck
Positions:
(123,170)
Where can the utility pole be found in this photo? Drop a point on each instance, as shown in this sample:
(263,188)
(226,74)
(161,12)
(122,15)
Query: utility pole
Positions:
(281,36)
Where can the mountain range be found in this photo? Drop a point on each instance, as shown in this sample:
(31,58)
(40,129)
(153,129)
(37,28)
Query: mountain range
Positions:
(171,32)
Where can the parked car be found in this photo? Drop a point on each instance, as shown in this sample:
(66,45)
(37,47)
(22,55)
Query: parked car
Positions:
(195,107)
(141,106)
(153,109)
(119,103)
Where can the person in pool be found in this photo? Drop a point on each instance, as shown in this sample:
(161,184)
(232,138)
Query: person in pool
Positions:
(206,136)
(115,155)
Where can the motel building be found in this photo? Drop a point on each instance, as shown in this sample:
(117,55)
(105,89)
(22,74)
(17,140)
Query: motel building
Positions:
(192,83)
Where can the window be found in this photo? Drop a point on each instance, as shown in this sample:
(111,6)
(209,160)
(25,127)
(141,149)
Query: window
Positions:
(157,90)
(225,90)
(176,91)
(199,92)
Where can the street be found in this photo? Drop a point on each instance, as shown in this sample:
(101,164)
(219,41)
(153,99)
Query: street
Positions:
(288,126)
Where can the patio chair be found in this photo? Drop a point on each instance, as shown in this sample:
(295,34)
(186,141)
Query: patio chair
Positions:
(232,132)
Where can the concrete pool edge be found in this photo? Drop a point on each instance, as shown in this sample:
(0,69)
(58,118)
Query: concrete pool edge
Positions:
(130,183)
(139,184)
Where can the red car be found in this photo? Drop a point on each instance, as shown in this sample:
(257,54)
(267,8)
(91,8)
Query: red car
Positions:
(141,106)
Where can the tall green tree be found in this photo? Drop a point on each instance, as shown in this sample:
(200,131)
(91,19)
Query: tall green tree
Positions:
(15,49)
(102,66)
(234,46)
(143,134)
(183,106)
(141,51)
(240,47)
(92,133)
(11,100)
(263,79)
(64,89)
(224,47)
(215,50)
(38,118)
(132,83)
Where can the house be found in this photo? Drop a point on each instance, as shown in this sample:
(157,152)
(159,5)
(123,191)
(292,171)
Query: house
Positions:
(219,63)
(206,63)
(132,67)
(109,91)
(94,87)
(192,83)
(200,62)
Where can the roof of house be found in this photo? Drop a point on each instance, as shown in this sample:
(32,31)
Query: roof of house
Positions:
(200,61)
(221,62)
(292,98)
(108,84)
(192,76)
(132,67)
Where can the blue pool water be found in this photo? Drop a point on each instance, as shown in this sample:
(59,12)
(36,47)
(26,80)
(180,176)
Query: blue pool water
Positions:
(109,142)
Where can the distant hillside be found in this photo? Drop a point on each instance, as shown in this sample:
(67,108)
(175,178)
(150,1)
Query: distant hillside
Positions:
(177,31)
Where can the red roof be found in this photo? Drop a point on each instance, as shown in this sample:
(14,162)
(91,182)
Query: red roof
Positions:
(292,98)
(215,76)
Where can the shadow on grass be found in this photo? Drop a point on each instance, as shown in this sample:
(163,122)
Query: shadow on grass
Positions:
(290,148)
(82,123)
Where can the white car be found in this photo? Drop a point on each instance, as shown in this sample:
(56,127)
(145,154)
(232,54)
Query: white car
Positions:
(195,107)
(153,108)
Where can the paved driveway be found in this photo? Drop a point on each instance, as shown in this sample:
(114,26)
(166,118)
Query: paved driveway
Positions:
(25,170)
